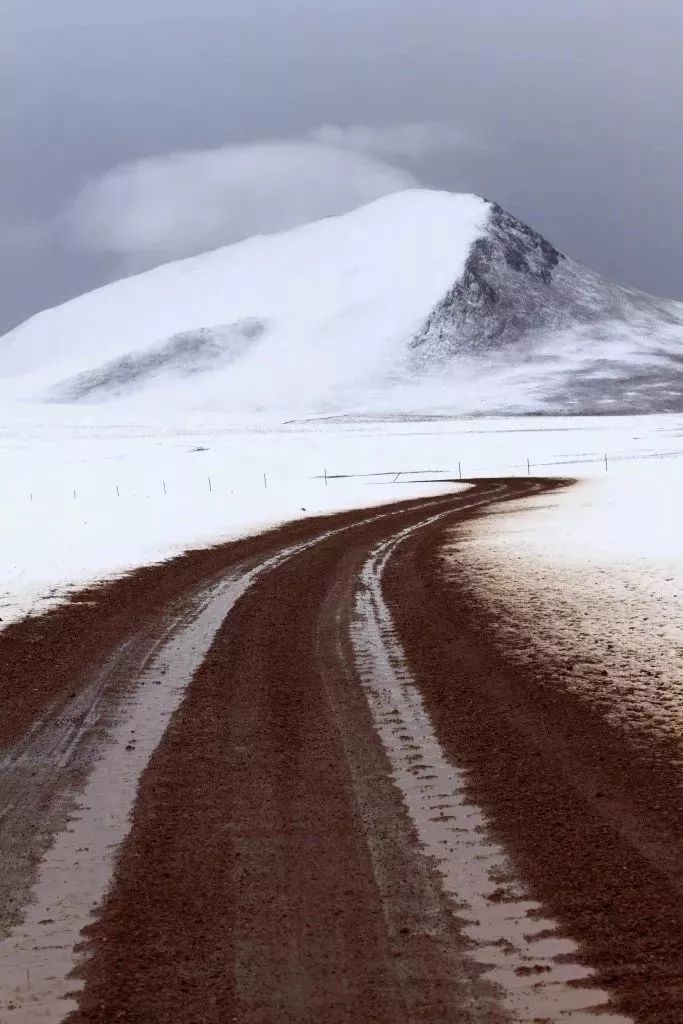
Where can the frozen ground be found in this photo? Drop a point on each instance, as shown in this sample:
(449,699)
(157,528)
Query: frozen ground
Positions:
(592,579)
(84,497)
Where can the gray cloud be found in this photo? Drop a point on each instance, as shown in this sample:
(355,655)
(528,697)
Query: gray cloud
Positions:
(413,142)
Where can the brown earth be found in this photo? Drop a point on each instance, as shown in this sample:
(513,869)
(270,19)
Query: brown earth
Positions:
(593,818)
(272,872)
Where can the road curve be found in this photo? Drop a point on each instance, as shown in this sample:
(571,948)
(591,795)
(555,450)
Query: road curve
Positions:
(293,782)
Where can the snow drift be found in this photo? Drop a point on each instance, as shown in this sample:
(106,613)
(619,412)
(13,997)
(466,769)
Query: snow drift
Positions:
(420,302)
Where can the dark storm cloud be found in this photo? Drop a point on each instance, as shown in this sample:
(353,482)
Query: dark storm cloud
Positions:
(568,114)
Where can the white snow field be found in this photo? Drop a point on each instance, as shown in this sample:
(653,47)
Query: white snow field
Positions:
(86,496)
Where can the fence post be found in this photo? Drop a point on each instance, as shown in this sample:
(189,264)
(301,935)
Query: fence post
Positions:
(265,481)
(210,487)
(528,468)
(117,491)
(605,462)
(164,483)
(459,471)
(325,477)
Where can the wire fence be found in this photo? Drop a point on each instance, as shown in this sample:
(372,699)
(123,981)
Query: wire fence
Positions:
(219,480)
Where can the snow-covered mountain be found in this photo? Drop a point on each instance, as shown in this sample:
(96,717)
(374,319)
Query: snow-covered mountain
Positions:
(420,302)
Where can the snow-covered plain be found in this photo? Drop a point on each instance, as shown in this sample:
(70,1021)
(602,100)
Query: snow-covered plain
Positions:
(86,495)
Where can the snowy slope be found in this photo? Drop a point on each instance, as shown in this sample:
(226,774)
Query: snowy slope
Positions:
(424,302)
(526,314)
(334,302)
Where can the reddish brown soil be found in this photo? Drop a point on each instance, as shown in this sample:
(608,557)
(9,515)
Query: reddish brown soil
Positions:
(49,665)
(594,822)
(271,873)
(46,658)
(264,879)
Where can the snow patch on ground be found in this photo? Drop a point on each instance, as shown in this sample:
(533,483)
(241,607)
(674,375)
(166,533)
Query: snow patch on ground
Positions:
(592,577)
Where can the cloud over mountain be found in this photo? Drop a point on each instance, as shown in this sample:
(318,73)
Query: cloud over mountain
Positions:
(149,211)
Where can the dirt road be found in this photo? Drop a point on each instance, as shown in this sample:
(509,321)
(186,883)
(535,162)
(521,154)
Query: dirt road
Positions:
(292,779)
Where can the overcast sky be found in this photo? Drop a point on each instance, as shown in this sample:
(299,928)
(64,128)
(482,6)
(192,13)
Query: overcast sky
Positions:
(143,130)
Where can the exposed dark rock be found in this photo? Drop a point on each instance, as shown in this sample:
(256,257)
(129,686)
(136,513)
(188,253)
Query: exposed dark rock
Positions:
(184,354)
(590,344)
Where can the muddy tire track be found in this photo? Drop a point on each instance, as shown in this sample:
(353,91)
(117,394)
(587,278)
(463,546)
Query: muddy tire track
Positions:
(591,819)
(278,865)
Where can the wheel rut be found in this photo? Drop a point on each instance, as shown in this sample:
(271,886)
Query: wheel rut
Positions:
(266,804)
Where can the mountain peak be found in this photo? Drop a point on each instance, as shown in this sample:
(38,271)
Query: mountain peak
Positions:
(421,300)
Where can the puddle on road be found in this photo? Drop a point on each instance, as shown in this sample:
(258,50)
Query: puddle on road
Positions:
(522,951)
(38,956)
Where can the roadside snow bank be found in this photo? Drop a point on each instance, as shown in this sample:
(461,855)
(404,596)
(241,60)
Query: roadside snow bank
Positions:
(592,579)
